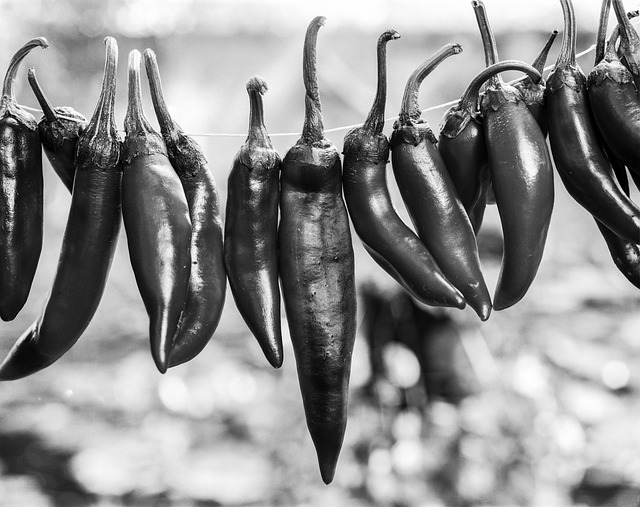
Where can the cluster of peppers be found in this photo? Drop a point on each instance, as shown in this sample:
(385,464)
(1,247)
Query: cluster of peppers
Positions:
(287,224)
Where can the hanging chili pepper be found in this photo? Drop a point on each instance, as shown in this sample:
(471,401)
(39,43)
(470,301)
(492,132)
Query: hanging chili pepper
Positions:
(21,193)
(251,230)
(629,42)
(156,219)
(317,271)
(207,279)
(613,100)
(522,179)
(575,142)
(59,130)
(88,244)
(430,196)
(390,242)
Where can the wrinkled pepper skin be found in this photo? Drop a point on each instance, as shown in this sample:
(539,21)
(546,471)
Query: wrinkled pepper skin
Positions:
(59,130)
(207,278)
(575,143)
(157,222)
(88,244)
(522,179)
(317,272)
(391,243)
(251,230)
(21,193)
(431,198)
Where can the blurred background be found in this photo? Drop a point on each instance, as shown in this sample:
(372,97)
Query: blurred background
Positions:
(538,406)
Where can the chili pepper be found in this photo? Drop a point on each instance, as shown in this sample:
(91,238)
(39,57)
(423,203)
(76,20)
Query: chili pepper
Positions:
(251,230)
(317,271)
(88,244)
(430,196)
(522,179)
(613,100)
(21,193)
(59,130)
(207,279)
(629,42)
(390,242)
(156,219)
(579,158)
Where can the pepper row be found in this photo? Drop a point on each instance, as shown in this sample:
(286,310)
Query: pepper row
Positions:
(287,221)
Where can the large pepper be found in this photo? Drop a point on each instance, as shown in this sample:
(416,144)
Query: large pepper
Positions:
(251,230)
(157,223)
(207,279)
(430,195)
(89,241)
(21,193)
(390,242)
(317,272)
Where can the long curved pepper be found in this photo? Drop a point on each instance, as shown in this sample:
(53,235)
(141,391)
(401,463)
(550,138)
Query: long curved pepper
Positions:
(88,244)
(251,230)
(317,272)
(522,179)
(616,106)
(430,195)
(21,192)
(156,219)
(207,279)
(391,243)
(629,42)
(575,142)
(59,129)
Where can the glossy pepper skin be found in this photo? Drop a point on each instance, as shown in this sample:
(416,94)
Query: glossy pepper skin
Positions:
(59,130)
(251,230)
(207,278)
(575,142)
(21,193)
(613,99)
(522,179)
(88,244)
(430,195)
(317,272)
(390,242)
(156,219)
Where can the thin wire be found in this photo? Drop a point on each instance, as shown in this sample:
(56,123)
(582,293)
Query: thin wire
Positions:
(335,129)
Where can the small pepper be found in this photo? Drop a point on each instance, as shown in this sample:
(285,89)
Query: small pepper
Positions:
(317,272)
(430,196)
(251,230)
(207,278)
(21,193)
(59,130)
(88,244)
(579,157)
(157,223)
(390,242)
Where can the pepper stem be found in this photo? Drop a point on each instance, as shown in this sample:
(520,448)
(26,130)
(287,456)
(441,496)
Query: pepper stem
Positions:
(168,126)
(488,39)
(8,87)
(629,39)
(375,120)
(601,38)
(469,99)
(45,105)
(313,129)
(541,59)
(611,52)
(256,88)
(103,115)
(567,55)
(135,119)
(410,108)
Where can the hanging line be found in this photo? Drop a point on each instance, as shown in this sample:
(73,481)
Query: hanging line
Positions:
(335,129)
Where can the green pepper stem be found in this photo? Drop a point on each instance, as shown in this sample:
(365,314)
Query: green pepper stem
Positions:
(375,120)
(45,105)
(469,99)
(313,129)
(8,87)
(410,108)
(256,88)
(541,59)
(135,119)
(601,38)
(488,39)
(567,54)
